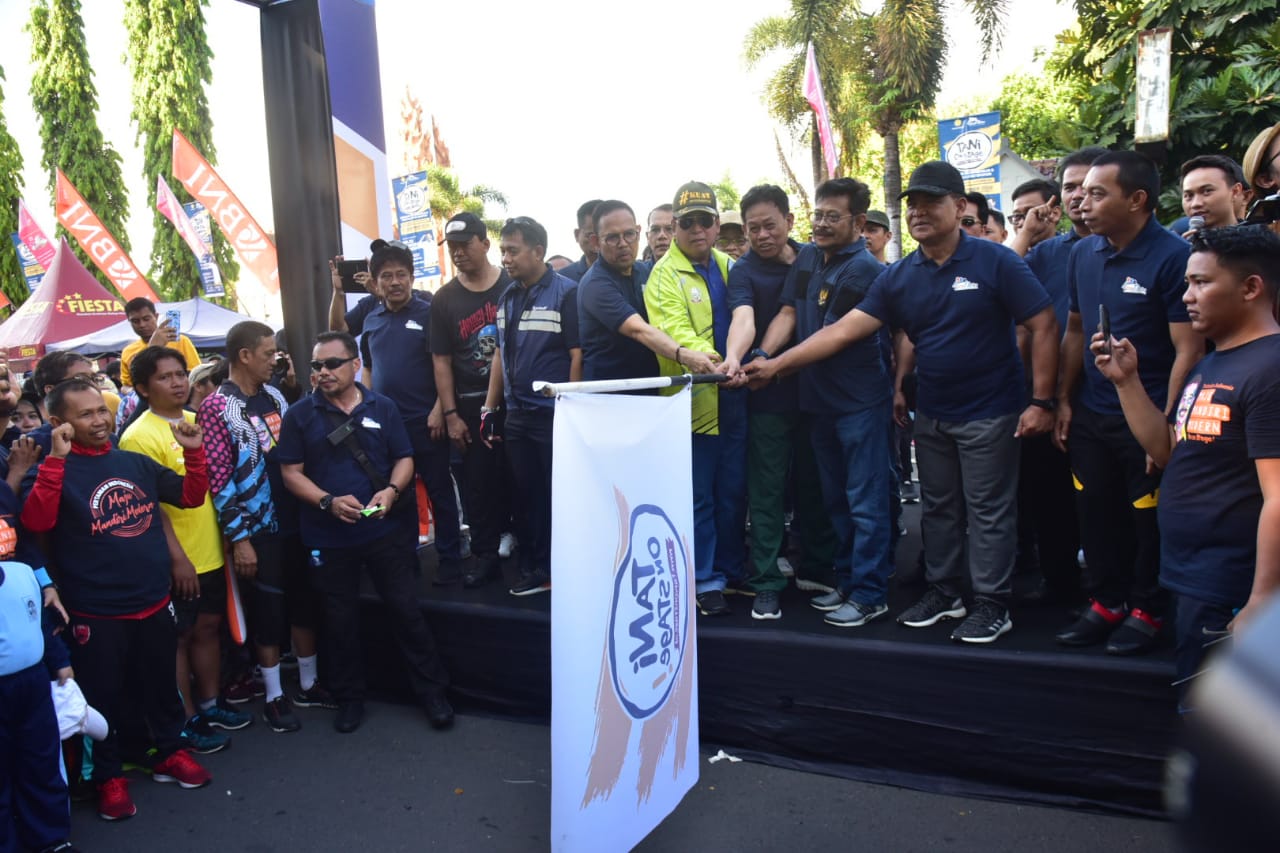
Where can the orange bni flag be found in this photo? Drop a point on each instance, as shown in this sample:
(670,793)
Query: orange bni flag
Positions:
(77,217)
(242,231)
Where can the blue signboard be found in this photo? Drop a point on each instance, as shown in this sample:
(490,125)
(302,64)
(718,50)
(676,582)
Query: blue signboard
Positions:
(31,269)
(210,275)
(972,144)
(416,226)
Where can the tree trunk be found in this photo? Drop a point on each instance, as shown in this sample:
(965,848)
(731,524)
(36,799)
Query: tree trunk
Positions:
(893,188)
(815,152)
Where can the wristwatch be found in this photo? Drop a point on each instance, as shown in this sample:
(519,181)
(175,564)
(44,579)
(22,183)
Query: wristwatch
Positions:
(326,502)
(1047,404)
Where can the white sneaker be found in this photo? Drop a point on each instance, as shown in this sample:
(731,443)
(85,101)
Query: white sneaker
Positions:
(506,545)
(784,566)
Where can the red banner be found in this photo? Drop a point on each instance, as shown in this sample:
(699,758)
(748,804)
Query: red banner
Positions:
(242,231)
(33,236)
(77,217)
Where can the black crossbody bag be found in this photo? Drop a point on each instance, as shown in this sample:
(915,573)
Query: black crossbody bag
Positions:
(343,434)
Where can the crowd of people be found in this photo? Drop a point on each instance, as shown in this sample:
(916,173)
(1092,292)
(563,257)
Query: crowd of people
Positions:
(1105,385)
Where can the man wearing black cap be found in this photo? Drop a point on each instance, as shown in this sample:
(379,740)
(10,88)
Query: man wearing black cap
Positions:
(958,299)
(464,336)
(585,236)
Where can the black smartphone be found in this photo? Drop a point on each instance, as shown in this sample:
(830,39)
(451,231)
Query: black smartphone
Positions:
(347,271)
(1104,326)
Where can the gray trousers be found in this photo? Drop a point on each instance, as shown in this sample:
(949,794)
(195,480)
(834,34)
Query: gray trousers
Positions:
(969,480)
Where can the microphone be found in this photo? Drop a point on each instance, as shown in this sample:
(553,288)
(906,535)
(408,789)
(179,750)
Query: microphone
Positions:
(1195,223)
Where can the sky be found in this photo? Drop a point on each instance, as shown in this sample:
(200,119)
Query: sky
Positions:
(550,103)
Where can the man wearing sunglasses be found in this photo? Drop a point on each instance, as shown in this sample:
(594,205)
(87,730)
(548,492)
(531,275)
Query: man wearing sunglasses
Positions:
(347,457)
(688,298)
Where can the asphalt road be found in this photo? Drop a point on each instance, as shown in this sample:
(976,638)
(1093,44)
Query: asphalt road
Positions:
(397,785)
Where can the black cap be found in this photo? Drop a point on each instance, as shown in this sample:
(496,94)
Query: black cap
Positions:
(879,217)
(464,226)
(936,177)
(695,197)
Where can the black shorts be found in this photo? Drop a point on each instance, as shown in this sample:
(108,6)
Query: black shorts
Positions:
(212,600)
(280,594)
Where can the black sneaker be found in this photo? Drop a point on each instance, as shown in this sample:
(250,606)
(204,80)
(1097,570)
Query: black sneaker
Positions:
(448,572)
(482,570)
(712,603)
(532,584)
(439,711)
(316,697)
(279,716)
(766,605)
(910,492)
(349,717)
(988,621)
(932,608)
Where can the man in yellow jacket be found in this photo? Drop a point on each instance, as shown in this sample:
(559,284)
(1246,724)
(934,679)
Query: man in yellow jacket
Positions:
(687,297)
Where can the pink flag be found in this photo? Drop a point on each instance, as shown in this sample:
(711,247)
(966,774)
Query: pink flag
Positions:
(167,203)
(813,94)
(33,236)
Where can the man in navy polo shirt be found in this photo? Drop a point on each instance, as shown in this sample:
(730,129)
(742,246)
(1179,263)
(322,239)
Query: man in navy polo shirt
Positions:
(398,333)
(617,340)
(1134,267)
(777,435)
(345,455)
(585,236)
(958,299)
(537,341)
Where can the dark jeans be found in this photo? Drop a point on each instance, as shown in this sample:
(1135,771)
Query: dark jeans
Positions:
(33,797)
(112,656)
(854,466)
(431,463)
(1196,624)
(1117,506)
(484,492)
(528,446)
(719,504)
(391,565)
(1047,511)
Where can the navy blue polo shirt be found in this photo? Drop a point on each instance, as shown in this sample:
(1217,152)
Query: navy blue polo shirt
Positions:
(304,439)
(606,299)
(822,291)
(961,317)
(537,326)
(1048,260)
(756,283)
(718,290)
(400,343)
(576,270)
(1142,287)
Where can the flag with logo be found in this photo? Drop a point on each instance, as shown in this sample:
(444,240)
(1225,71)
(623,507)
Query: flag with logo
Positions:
(624,702)
(174,211)
(210,275)
(33,237)
(818,101)
(100,244)
(32,270)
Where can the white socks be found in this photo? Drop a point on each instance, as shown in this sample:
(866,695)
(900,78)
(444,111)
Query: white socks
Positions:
(271,680)
(307,671)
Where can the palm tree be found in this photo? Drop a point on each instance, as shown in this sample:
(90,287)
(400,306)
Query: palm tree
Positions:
(448,199)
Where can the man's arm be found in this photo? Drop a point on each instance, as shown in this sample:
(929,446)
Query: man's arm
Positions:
(660,343)
(1189,346)
(1266,574)
(904,360)
(338,301)
(826,342)
(781,329)
(669,311)
(1043,344)
(302,487)
(494,398)
(575,364)
(742,331)
(1070,365)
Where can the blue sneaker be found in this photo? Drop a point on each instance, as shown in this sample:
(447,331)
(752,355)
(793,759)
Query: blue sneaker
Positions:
(224,718)
(198,738)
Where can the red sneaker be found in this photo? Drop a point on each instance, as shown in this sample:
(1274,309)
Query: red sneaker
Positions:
(183,769)
(114,802)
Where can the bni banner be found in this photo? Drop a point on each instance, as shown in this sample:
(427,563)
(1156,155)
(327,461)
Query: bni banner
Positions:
(32,271)
(624,699)
(416,225)
(972,144)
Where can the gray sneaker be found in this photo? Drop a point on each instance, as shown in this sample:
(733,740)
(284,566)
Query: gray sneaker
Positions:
(931,609)
(766,605)
(988,622)
(851,614)
(833,600)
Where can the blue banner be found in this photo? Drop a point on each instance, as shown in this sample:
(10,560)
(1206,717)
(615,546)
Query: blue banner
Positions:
(972,144)
(210,275)
(416,226)
(31,269)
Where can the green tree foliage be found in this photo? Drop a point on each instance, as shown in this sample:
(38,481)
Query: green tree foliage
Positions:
(66,100)
(169,57)
(11,279)
(448,198)
(1037,113)
(728,197)
(1225,75)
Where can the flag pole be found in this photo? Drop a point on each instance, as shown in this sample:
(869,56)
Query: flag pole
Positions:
(608,386)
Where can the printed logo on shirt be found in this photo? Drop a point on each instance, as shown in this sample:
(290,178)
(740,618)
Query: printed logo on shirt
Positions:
(414,325)
(120,508)
(822,296)
(1131,285)
(1205,422)
(695,295)
(8,539)
(370,423)
(962,283)
(1184,408)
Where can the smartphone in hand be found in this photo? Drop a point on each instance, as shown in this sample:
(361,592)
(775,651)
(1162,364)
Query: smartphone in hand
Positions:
(1104,326)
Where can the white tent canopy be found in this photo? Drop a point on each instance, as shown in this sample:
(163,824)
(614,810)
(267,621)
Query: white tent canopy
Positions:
(205,323)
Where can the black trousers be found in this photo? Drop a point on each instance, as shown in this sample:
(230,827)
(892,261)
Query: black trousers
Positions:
(34,810)
(391,565)
(484,489)
(1047,511)
(1116,500)
(111,656)
(528,440)
(431,463)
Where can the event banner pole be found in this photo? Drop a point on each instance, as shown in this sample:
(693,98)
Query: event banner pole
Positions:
(612,386)
(624,699)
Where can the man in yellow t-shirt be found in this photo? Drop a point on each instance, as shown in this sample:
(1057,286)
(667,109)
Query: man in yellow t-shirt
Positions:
(195,545)
(141,313)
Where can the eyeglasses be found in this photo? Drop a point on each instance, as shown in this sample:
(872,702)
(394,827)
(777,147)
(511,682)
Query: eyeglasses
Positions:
(832,216)
(702,220)
(968,221)
(732,241)
(1017,218)
(329,364)
(630,236)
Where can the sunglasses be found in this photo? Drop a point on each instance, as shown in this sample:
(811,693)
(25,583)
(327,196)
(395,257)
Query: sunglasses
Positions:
(968,221)
(702,220)
(330,364)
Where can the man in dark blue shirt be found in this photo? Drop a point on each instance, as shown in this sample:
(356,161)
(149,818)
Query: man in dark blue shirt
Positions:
(537,341)
(1132,268)
(778,436)
(345,455)
(585,236)
(958,299)
(398,333)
